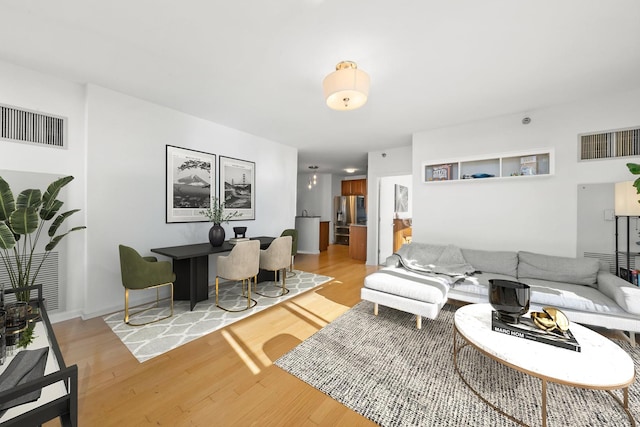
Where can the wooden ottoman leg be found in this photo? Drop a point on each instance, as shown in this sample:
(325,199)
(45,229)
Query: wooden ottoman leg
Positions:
(418,321)
(375,308)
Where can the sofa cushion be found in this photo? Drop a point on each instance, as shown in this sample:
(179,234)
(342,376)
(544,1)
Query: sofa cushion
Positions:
(398,281)
(570,297)
(624,293)
(580,271)
(492,261)
(478,284)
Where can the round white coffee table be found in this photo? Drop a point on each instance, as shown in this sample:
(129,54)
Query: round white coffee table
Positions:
(600,365)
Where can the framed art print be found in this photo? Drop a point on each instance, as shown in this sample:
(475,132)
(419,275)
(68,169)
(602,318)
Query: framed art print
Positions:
(401,198)
(238,187)
(190,184)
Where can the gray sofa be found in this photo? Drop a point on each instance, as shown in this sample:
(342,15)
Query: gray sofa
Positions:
(583,288)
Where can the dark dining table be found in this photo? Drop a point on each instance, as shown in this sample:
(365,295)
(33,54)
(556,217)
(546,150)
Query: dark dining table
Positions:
(191,267)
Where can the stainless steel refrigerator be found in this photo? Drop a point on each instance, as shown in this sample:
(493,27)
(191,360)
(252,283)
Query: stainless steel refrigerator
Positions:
(349,210)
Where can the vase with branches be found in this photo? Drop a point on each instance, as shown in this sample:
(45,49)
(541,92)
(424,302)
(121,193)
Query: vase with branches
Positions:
(22,223)
(216,214)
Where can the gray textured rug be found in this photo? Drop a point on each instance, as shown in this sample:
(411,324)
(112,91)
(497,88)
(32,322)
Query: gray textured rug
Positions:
(395,375)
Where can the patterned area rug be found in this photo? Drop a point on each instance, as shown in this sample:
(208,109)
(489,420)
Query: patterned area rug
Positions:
(396,375)
(146,342)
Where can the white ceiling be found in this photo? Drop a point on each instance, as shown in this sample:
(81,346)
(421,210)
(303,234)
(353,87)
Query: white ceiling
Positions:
(258,65)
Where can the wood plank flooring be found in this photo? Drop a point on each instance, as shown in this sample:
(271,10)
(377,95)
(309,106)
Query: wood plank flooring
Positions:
(225,378)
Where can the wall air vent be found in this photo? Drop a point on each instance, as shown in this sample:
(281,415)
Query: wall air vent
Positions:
(19,125)
(610,144)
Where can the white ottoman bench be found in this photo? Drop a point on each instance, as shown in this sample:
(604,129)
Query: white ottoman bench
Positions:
(406,291)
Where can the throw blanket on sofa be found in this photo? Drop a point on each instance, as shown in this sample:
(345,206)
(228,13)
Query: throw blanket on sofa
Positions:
(432,260)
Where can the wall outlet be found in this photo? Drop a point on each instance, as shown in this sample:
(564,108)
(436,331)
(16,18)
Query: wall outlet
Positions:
(609,215)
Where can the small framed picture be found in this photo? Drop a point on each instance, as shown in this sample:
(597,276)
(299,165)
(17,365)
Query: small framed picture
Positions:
(190,184)
(442,172)
(238,187)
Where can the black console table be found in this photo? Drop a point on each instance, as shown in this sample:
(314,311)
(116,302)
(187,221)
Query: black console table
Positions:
(59,385)
(191,266)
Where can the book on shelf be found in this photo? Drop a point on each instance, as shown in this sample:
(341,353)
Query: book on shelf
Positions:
(235,240)
(526,329)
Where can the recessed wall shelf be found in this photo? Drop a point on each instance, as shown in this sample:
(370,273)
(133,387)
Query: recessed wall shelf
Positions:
(524,164)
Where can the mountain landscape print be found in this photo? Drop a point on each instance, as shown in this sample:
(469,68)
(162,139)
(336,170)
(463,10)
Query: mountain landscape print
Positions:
(190,183)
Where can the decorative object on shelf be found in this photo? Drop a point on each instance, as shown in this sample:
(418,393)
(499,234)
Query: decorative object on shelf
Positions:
(26,217)
(528,165)
(190,184)
(510,299)
(347,88)
(442,173)
(238,187)
(239,232)
(216,214)
(16,322)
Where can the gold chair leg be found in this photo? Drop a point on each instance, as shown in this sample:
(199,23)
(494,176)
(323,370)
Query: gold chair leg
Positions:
(126,305)
(128,315)
(247,294)
(217,291)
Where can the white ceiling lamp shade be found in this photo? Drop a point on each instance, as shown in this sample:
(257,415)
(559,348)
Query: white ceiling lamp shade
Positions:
(347,88)
(626,199)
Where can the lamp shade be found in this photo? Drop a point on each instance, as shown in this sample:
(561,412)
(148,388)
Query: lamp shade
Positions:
(347,88)
(626,199)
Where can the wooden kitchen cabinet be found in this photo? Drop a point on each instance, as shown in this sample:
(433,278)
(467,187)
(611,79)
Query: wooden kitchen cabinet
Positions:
(354,187)
(358,242)
(324,235)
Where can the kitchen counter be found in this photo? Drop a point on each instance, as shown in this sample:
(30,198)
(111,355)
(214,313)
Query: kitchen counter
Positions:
(308,234)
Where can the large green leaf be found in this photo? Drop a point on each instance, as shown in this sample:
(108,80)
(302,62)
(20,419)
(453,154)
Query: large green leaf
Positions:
(29,199)
(52,244)
(24,220)
(49,197)
(47,213)
(7,202)
(634,168)
(7,240)
(59,220)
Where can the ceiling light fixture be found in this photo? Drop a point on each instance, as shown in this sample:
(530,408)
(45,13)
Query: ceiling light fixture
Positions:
(313,179)
(350,170)
(347,88)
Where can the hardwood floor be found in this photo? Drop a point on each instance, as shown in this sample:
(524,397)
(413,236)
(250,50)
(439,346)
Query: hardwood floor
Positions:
(225,378)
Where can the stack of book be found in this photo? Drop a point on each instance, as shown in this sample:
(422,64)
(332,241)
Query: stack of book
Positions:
(526,329)
(630,276)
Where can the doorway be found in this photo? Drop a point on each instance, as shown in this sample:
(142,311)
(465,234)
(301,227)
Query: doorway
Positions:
(388,212)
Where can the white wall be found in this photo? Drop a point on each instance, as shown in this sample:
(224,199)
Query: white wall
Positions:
(28,89)
(126,181)
(116,152)
(538,214)
(391,162)
(317,200)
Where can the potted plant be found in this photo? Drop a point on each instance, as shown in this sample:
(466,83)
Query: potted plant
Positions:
(216,215)
(634,168)
(22,222)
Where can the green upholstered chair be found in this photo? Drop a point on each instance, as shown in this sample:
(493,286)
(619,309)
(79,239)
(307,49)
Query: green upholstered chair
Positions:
(276,258)
(144,273)
(242,263)
(294,245)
